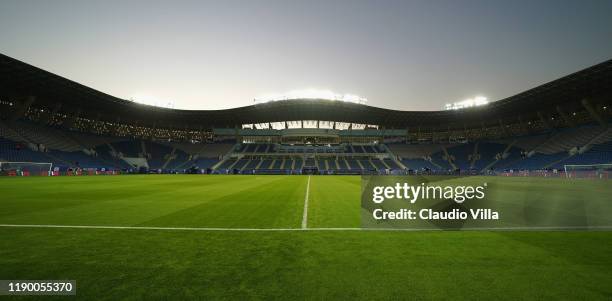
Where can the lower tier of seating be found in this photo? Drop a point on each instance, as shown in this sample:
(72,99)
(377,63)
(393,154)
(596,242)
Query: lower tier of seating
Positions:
(298,163)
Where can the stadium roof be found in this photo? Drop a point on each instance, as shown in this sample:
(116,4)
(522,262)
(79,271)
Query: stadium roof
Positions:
(21,80)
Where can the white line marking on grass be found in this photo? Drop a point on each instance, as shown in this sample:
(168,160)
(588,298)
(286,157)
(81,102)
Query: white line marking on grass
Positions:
(146,228)
(604,228)
(305,214)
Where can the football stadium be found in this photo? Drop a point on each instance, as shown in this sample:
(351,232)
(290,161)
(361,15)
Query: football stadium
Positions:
(268,194)
(307,195)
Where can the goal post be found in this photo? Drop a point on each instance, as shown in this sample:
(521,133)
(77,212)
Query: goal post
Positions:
(593,171)
(25,168)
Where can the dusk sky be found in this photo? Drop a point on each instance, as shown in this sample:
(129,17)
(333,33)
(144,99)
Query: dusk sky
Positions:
(409,55)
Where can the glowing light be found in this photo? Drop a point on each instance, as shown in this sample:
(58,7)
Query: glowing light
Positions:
(468,103)
(311,94)
(151,101)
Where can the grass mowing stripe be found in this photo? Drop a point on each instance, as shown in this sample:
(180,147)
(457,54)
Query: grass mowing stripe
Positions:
(334,202)
(197,201)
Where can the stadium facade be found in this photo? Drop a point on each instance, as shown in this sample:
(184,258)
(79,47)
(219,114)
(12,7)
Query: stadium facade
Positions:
(45,118)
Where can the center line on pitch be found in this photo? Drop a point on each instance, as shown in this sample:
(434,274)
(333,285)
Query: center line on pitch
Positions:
(305,214)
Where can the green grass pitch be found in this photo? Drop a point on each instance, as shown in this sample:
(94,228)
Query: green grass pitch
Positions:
(136,264)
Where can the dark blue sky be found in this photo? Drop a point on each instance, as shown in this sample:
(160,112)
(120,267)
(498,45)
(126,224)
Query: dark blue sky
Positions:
(411,55)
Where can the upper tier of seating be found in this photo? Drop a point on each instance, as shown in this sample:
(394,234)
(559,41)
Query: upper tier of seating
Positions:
(28,142)
(565,140)
(49,137)
(531,152)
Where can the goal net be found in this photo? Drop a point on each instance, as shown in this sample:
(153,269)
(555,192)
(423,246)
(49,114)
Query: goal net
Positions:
(25,168)
(592,171)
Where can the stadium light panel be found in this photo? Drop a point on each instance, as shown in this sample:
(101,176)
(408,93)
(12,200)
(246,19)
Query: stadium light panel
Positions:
(468,103)
(151,101)
(311,94)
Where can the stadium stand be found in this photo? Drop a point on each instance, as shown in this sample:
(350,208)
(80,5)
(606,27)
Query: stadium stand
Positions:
(47,118)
